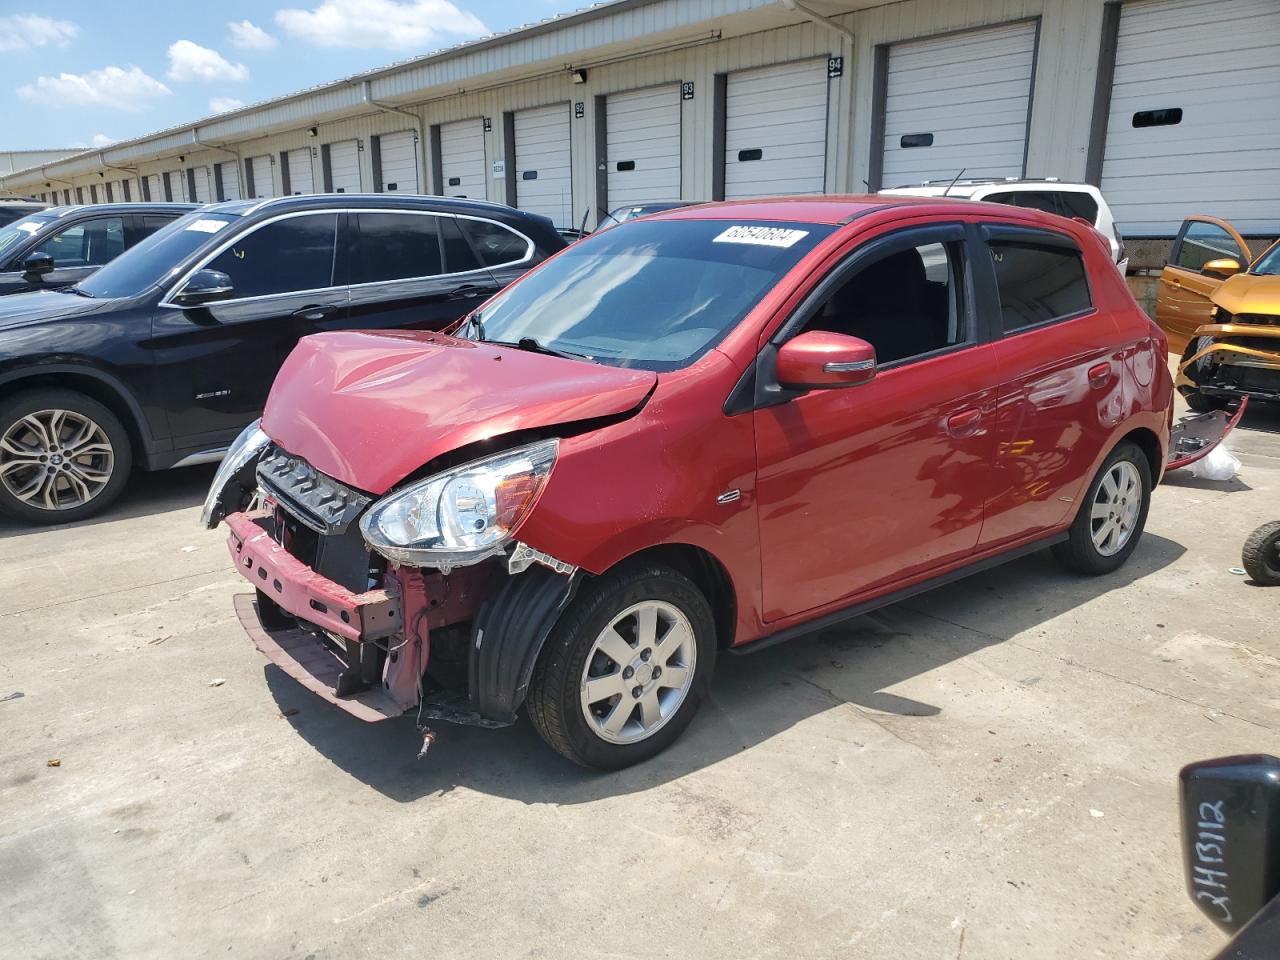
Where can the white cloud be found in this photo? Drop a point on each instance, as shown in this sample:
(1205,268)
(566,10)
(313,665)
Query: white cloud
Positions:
(249,36)
(119,88)
(190,61)
(223,104)
(101,140)
(26,30)
(387,24)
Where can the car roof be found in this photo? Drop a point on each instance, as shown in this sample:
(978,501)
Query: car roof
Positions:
(966,188)
(140,206)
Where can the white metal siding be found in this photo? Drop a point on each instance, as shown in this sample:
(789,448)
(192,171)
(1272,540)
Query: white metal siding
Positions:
(463,168)
(399,153)
(178,184)
(204,189)
(262,182)
(544,163)
(344,166)
(230,180)
(156,187)
(971,92)
(301,179)
(1220,64)
(642,133)
(780,111)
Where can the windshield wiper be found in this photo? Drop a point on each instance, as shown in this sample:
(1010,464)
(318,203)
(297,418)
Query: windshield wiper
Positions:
(533,346)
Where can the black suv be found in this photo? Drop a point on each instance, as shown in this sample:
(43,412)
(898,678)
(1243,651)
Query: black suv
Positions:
(60,246)
(162,356)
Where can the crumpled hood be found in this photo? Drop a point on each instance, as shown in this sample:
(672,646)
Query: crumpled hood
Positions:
(19,309)
(1249,293)
(369,408)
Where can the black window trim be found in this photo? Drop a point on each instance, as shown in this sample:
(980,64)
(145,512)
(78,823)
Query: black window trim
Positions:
(989,233)
(466,239)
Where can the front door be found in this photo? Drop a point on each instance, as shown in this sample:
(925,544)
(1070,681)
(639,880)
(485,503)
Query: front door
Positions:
(77,250)
(865,488)
(1182,297)
(215,363)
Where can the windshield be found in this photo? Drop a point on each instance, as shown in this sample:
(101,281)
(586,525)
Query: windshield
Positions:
(1269,263)
(152,260)
(653,294)
(14,233)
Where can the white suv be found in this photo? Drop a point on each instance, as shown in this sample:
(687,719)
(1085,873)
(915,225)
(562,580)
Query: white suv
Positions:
(1081,200)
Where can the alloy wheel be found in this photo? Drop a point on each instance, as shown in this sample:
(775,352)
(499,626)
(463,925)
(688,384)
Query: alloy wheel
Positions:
(55,459)
(1116,507)
(638,672)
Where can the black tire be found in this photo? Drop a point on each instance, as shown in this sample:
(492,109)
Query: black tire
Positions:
(554,691)
(1205,402)
(1261,554)
(13,409)
(1198,373)
(1078,552)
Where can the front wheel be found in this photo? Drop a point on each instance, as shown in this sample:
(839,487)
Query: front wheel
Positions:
(1112,516)
(1261,554)
(624,670)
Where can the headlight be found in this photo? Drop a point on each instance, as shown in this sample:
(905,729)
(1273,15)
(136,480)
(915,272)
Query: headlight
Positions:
(245,449)
(461,516)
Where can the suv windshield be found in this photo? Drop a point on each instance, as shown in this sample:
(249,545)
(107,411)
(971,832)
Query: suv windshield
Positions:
(653,294)
(153,259)
(1269,263)
(14,233)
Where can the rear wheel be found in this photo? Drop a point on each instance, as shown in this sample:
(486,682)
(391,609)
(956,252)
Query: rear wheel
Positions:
(624,670)
(1112,515)
(63,456)
(1261,554)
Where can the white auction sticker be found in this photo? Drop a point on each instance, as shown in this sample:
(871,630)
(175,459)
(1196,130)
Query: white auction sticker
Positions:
(28,226)
(762,236)
(207,226)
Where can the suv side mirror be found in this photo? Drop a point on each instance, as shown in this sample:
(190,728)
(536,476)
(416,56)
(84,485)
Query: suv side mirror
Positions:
(205,286)
(1223,267)
(818,360)
(1231,836)
(37,265)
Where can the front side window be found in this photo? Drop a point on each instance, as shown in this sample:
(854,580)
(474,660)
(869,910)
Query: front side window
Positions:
(90,243)
(651,294)
(1038,283)
(495,243)
(395,246)
(906,304)
(285,256)
(150,223)
(16,233)
(1203,242)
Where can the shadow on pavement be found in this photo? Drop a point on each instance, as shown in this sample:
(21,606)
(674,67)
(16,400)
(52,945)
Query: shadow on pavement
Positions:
(752,699)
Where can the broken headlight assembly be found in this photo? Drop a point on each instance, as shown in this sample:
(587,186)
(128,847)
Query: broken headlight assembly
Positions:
(461,516)
(244,450)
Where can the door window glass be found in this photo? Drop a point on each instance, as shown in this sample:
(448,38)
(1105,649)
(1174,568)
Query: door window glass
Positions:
(1038,283)
(905,304)
(1078,205)
(458,256)
(395,246)
(88,244)
(149,224)
(1203,242)
(495,243)
(1028,199)
(282,257)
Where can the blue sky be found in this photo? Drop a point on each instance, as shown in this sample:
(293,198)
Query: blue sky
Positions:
(95,72)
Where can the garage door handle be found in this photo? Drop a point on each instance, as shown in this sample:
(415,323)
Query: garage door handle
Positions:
(964,424)
(313,312)
(1099,375)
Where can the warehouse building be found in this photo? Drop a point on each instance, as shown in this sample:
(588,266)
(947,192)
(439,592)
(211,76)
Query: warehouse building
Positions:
(1169,105)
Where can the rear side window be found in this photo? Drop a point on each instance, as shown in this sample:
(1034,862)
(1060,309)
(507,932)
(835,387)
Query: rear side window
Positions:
(395,246)
(282,257)
(1079,205)
(1038,283)
(458,255)
(495,243)
(150,223)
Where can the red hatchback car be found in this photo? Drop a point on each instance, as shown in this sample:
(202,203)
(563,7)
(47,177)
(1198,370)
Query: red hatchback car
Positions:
(719,427)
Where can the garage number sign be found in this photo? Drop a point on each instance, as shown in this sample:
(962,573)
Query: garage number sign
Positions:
(835,67)
(686,90)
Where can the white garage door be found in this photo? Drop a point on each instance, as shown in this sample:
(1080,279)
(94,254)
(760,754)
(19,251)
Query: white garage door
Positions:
(204,192)
(301,180)
(178,185)
(958,102)
(344,166)
(399,155)
(463,170)
(230,171)
(776,130)
(642,146)
(262,182)
(544,163)
(1194,125)
(155,187)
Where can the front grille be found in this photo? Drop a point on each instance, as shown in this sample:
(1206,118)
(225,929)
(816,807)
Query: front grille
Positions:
(317,501)
(1263,318)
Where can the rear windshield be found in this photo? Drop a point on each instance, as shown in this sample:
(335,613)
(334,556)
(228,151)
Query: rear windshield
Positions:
(649,294)
(155,258)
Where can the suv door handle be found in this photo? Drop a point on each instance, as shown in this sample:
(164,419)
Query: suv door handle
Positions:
(315,311)
(468,290)
(965,423)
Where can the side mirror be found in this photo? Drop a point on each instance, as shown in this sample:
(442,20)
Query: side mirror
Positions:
(821,361)
(37,265)
(1231,836)
(1224,267)
(205,286)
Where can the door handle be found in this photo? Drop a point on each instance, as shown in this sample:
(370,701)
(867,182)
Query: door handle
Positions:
(1099,375)
(468,290)
(315,311)
(965,423)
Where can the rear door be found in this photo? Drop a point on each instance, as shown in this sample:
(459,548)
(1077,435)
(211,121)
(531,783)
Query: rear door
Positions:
(214,364)
(411,269)
(1182,296)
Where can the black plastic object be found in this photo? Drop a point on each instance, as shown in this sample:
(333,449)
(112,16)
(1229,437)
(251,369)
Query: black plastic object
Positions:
(1231,836)
(918,140)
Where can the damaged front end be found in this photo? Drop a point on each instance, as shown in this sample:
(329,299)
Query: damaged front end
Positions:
(421,599)
(1235,356)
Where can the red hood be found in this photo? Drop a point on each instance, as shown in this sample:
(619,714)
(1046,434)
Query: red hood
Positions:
(370,408)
